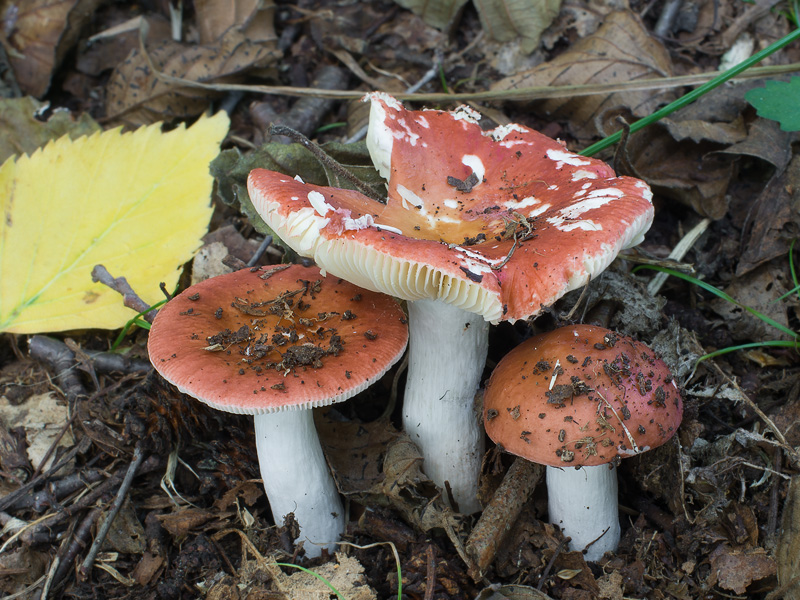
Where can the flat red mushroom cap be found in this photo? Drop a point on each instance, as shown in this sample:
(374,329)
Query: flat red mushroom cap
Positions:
(257,341)
(500,222)
(581,396)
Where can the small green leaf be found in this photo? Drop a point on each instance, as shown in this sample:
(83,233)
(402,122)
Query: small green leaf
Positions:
(778,101)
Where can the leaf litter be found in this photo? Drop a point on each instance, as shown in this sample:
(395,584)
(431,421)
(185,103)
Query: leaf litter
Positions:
(716,512)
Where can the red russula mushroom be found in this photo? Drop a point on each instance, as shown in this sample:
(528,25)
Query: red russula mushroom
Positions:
(275,342)
(479,226)
(582,396)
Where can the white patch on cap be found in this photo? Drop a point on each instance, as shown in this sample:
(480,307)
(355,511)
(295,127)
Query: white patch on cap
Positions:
(562,224)
(406,134)
(465,113)
(317,201)
(450,203)
(361,222)
(520,204)
(388,228)
(423,122)
(647,194)
(476,164)
(583,174)
(295,198)
(379,136)
(388,100)
(586,185)
(552,187)
(298,178)
(407,196)
(498,134)
(478,256)
(538,210)
(562,157)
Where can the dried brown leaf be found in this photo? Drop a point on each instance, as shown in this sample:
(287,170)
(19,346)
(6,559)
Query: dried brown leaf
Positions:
(621,50)
(355,450)
(774,221)
(40,33)
(135,94)
(504,20)
(179,524)
(253,18)
(734,570)
(757,289)
(787,553)
(694,174)
(436,13)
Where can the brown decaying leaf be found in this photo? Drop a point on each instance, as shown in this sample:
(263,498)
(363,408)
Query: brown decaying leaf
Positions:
(734,570)
(757,289)
(787,553)
(775,219)
(135,95)
(40,33)
(436,13)
(504,20)
(621,50)
(355,450)
(253,18)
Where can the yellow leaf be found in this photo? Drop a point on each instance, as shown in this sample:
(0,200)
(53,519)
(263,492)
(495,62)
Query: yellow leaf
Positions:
(137,203)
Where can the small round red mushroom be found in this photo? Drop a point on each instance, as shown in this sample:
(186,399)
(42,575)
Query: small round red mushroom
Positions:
(578,399)
(274,343)
(478,227)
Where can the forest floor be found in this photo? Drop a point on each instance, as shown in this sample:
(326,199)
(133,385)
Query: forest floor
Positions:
(714,513)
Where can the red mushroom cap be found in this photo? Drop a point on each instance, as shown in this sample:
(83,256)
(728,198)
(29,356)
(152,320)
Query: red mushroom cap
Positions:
(581,396)
(498,222)
(257,341)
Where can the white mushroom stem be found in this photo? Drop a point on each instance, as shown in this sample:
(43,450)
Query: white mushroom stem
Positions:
(583,503)
(446,356)
(297,479)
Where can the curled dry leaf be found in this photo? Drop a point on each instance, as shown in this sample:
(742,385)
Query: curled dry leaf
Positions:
(253,18)
(40,32)
(787,553)
(136,95)
(439,13)
(734,570)
(621,50)
(774,220)
(504,20)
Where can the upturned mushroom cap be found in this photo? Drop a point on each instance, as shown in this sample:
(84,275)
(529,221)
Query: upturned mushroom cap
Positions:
(581,396)
(257,341)
(498,222)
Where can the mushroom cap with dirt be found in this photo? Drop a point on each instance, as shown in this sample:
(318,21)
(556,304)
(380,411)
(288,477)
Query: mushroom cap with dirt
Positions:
(578,399)
(478,227)
(275,342)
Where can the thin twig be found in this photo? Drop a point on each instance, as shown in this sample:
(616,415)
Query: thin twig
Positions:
(86,566)
(326,160)
(120,285)
(430,577)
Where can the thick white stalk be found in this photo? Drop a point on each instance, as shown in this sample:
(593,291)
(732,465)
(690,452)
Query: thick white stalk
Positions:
(446,355)
(583,502)
(297,479)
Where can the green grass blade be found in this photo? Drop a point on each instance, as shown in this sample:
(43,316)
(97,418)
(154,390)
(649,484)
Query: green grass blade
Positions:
(778,343)
(720,294)
(136,320)
(694,94)
(317,575)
